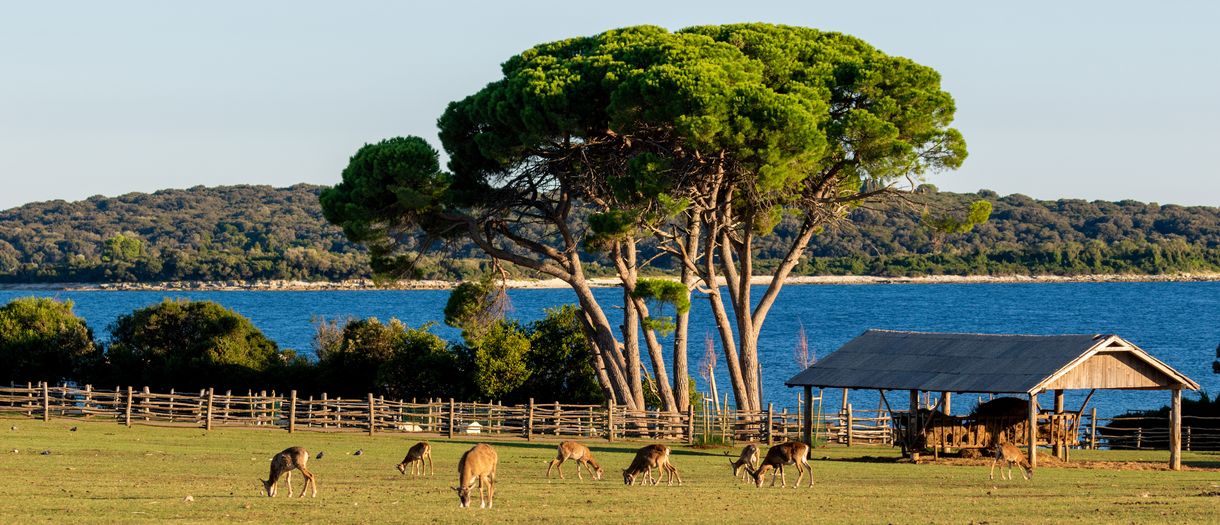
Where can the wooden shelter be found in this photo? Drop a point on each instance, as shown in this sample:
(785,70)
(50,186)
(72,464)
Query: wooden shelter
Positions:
(1025,365)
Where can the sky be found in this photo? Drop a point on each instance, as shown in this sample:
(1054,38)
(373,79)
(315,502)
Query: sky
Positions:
(1091,100)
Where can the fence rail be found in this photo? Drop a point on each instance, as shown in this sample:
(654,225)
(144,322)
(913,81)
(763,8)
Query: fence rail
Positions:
(270,409)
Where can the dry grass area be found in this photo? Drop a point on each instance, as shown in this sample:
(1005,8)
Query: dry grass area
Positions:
(103,472)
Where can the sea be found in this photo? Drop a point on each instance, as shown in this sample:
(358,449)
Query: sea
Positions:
(1178,322)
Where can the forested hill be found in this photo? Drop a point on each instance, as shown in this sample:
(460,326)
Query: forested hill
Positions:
(264,233)
(200,233)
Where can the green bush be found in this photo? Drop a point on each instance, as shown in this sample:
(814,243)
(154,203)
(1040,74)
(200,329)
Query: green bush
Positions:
(391,359)
(561,360)
(43,340)
(191,344)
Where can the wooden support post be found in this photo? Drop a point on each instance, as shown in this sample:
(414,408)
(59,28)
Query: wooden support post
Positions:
(208,422)
(1033,431)
(946,402)
(88,400)
(913,425)
(46,402)
(770,423)
(1058,440)
(529,421)
(851,422)
(1175,430)
(372,415)
(1093,430)
(292,411)
(807,418)
(610,420)
(690,424)
(844,403)
(127,414)
(452,416)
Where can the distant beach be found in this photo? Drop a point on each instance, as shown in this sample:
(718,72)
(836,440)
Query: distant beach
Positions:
(601,282)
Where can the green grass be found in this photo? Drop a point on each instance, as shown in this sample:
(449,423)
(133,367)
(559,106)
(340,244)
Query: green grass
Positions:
(107,473)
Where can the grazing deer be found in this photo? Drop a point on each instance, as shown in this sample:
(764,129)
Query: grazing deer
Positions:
(749,458)
(790,453)
(477,464)
(646,459)
(415,457)
(1010,454)
(578,453)
(283,464)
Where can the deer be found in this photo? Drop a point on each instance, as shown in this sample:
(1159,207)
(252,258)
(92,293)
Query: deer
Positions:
(578,453)
(1010,454)
(477,464)
(415,458)
(749,458)
(292,458)
(791,453)
(646,459)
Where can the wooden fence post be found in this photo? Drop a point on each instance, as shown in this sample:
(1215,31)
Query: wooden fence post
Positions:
(127,417)
(850,423)
(1093,430)
(46,402)
(690,424)
(529,421)
(452,416)
(610,421)
(211,398)
(372,415)
(292,411)
(770,423)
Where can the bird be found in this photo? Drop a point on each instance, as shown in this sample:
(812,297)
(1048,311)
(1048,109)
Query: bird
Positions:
(73,429)
(45,452)
(319,456)
(359,452)
(13,428)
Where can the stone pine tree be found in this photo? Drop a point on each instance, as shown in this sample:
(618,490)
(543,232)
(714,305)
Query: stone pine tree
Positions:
(700,139)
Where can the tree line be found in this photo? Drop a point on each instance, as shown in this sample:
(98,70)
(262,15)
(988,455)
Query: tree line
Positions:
(263,233)
(189,345)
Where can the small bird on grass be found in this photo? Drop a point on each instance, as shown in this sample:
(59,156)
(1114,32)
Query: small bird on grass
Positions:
(359,452)
(45,452)
(73,429)
(319,456)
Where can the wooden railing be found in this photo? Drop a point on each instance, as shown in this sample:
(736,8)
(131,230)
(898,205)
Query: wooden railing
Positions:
(209,409)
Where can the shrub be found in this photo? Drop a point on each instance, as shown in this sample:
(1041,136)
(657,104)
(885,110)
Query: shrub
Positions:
(191,344)
(43,340)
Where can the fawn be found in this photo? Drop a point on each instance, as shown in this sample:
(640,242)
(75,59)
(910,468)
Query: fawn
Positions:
(283,464)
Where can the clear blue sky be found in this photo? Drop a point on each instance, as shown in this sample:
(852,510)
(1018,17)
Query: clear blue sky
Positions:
(1094,100)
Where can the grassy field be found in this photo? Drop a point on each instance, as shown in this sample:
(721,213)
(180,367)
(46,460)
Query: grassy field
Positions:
(104,472)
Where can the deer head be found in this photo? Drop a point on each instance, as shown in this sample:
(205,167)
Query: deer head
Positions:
(463,496)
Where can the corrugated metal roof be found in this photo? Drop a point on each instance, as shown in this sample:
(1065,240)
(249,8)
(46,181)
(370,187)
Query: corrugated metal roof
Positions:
(946,362)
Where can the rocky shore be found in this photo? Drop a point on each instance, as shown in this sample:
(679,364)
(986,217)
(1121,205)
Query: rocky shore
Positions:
(369,284)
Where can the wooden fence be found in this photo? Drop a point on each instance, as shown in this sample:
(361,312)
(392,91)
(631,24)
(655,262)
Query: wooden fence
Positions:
(209,409)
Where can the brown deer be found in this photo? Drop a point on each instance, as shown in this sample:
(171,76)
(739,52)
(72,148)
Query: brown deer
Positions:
(578,453)
(415,458)
(1010,454)
(283,464)
(749,458)
(790,453)
(477,464)
(646,459)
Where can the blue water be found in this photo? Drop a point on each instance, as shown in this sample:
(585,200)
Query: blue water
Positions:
(1177,322)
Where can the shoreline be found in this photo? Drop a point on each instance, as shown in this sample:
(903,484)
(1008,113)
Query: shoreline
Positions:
(599,282)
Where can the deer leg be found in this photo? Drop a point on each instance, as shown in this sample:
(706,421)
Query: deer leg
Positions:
(309,483)
(783,477)
(549,466)
(288,478)
(578,464)
(800,474)
(675,473)
(992,474)
(491,490)
(431,470)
